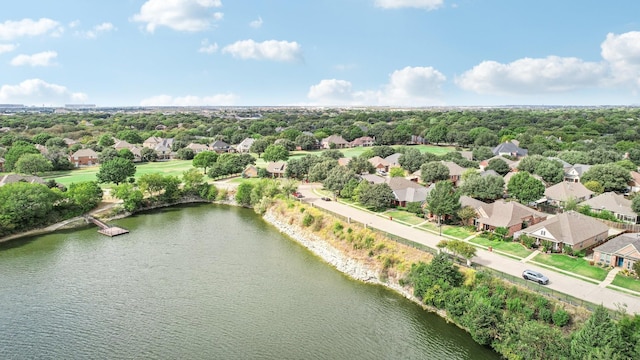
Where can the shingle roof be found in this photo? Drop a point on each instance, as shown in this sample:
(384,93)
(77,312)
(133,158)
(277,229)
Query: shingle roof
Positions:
(613,202)
(377,160)
(500,213)
(627,245)
(336,139)
(393,159)
(85,153)
(13,178)
(277,167)
(570,228)
(454,169)
(564,191)
(509,148)
(372,178)
(406,190)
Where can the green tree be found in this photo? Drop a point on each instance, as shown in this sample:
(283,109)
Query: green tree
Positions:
(525,187)
(337,178)
(411,160)
(635,206)
(482,153)
(41,138)
(611,176)
(551,171)
(594,186)
(151,183)
(485,188)
(185,154)
(130,196)
(434,171)
(260,145)
(126,154)
(320,171)
(597,333)
(25,206)
(149,155)
(32,164)
(116,171)
(205,160)
(243,194)
(498,165)
(360,165)
(16,151)
(130,136)
(529,163)
(443,200)
(106,140)
(377,196)
(466,214)
(275,153)
(306,142)
(86,195)
(459,248)
(437,134)
(332,154)
(396,172)
(107,154)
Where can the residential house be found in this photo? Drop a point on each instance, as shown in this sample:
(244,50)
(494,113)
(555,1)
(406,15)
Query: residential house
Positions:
(393,160)
(634,184)
(509,148)
(338,141)
(363,141)
(455,172)
(406,191)
(152,142)
(220,146)
(417,140)
(276,169)
(510,215)
(84,157)
(467,155)
(245,145)
(568,229)
(162,146)
(122,144)
(197,148)
(250,172)
(560,193)
(373,178)
(507,177)
(617,204)
(379,163)
(622,251)
(574,173)
(13,178)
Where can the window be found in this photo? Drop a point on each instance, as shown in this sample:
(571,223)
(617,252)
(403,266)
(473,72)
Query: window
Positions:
(543,232)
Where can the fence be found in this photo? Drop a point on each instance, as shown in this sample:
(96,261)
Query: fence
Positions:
(535,287)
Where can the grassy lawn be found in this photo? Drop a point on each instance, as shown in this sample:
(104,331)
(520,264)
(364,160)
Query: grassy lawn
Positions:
(509,247)
(626,282)
(457,232)
(574,265)
(405,216)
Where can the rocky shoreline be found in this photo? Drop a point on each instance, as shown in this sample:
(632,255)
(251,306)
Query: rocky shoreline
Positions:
(350,267)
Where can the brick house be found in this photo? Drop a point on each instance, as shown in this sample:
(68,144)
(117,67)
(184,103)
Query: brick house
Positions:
(84,157)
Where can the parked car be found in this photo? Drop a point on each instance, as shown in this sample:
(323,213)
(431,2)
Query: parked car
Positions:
(297,195)
(535,276)
(326,198)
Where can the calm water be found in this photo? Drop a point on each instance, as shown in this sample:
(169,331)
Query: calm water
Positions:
(202,282)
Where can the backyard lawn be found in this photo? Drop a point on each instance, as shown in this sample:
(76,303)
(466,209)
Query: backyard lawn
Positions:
(575,265)
(510,247)
(626,282)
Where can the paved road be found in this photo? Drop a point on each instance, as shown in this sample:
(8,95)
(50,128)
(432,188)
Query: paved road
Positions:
(560,282)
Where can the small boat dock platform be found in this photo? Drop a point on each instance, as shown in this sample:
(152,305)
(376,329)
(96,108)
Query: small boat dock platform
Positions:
(106,229)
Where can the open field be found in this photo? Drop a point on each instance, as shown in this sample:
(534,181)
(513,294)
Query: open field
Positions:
(575,265)
(509,247)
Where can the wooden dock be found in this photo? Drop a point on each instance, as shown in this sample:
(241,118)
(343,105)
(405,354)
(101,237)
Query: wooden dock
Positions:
(106,229)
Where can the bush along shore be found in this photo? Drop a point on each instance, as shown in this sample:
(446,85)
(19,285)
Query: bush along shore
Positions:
(515,322)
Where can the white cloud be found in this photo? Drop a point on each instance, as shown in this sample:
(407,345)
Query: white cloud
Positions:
(5,48)
(180,15)
(74,24)
(207,48)
(345,67)
(266,50)
(419,4)
(411,86)
(39,92)
(39,59)
(10,30)
(105,27)
(256,23)
(190,100)
(533,76)
(623,54)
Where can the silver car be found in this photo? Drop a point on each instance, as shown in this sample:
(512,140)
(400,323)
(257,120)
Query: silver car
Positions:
(535,276)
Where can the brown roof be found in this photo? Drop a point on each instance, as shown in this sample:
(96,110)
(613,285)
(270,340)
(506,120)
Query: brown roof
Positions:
(85,153)
(613,202)
(277,167)
(406,190)
(570,228)
(625,245)
(336,139)
(13,178)
(564,191)
(454,169)
(377,160)
(500,213)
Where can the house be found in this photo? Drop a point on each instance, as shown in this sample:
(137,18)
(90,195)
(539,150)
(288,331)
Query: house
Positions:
(162,146)
(363,141)
(510,215)
(568,229)
(245,145)
(417,140)
(561,192)
(220,146)
(574,173)
(617,204)
(455,172)
(338,141)
(14,178)
(509,148)
(373,178)
(276,169)
(379,163)
(250,172)
(622,251)
(122,144)
(406,191)
(393,160)
(634,184)
(84,157)
(197,148)
(152,142)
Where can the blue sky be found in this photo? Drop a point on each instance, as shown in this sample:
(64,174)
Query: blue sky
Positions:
(409,53)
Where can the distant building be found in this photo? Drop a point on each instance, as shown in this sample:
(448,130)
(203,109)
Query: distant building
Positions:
(13,178)
(509,148)
(84,157)
(337,140)
(245,145)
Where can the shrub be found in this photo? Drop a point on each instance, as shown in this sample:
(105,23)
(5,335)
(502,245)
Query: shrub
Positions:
(545,315)
(337,227)
(318,224)
(307,220)
(561,317)
(527,241)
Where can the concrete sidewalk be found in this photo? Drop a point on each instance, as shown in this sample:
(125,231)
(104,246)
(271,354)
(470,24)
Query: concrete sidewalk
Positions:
(558,282)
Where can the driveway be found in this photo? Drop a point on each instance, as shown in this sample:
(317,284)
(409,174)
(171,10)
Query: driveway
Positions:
(559,282)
